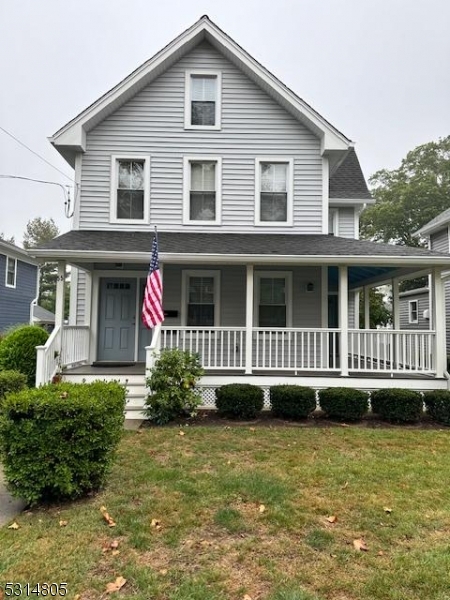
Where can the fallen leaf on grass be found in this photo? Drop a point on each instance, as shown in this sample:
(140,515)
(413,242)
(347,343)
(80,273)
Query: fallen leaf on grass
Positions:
(262,508)
(332,519)
(387,510)
(252,429)
(360,544)
(116,585)
(115,553)
(181,433)
(114,544)
(163,571)
(156,523)
(381,553)
(107,517)
(1,594)
(63,523)
(14,526)
(247,597)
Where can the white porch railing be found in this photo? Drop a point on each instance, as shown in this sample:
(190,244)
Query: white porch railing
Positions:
(392,351)
(152,351)
(64,347)
(296,349)
(218,347)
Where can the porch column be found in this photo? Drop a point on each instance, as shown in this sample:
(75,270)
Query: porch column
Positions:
(249,321)
(439,322)
(367,307)
(395,304)
(60,294)
(343,318)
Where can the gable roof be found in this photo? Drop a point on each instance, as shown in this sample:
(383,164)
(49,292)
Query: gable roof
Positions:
(71,138)
(42,315)
(16,252)
(439,222)
(347,179)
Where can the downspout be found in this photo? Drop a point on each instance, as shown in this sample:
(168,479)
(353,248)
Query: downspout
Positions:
(35,300)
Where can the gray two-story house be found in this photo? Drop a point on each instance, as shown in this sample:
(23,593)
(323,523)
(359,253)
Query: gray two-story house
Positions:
(256,198)
(19,280)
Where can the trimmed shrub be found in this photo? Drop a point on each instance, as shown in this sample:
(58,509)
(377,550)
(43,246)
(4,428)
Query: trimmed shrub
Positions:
(344,403)
(239,400)
(18,350)
(58,442)
(438,405)
(172,386)
(11,381)
(397,405)
(292,401)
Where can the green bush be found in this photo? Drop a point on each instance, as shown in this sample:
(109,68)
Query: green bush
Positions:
(397,405)
(344,403)
(292,401)
(58,441)
(239,400)
(18,350)
(172,386)
(11,381)
(438,405)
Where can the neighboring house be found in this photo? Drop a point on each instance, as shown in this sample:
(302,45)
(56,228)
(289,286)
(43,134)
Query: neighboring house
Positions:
(415,309)
(43,317)
(19,281)
(245,182)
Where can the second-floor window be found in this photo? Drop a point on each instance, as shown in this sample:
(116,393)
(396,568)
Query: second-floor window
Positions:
(202,98)
(11,272)
(202,197)
(130,189)
(273,192)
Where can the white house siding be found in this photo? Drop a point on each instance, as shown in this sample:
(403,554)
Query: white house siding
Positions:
(152,124)
(346,222)
(81,298)
(439,241)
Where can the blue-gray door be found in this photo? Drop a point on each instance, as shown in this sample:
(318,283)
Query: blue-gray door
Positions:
(117,319)
(145,335)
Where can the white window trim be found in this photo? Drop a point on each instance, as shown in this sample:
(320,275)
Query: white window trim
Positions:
(334,215)
(187,98)
(410,320)
(185,274)
(289,189)
(114,182)
(287,276)
(187,160)
(8,285)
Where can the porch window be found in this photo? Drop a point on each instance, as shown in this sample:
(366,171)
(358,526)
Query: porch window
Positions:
(11,272)
(202,98)
(201,298)
(273,299)
(274,192)
(130,189)
(202,190)
(413,311)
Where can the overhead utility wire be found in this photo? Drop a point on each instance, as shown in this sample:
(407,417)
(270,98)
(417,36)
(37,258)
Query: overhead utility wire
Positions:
(35,153)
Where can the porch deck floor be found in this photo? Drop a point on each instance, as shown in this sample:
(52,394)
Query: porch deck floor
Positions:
(139,369)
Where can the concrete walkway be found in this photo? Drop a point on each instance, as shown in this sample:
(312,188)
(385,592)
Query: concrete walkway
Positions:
(9,507)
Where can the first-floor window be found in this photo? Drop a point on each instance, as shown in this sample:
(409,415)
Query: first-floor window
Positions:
(11,271)
(413,311)
(130,183)
(202,295)
(273,299)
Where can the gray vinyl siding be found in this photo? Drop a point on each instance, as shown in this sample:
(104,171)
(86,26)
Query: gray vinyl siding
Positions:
(439,241)
(346,222)
(15,302)
(423,304)
(447,313)
(152,124)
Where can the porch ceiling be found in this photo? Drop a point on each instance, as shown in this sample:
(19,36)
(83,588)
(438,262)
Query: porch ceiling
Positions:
(373,259)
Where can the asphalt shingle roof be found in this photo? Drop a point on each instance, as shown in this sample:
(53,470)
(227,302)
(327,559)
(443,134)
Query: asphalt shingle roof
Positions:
(347,179)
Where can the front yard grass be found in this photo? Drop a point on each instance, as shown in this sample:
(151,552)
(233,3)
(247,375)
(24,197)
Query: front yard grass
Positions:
(243,511)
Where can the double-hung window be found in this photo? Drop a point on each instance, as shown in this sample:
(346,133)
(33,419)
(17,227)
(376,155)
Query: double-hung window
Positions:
(11,272)
(201,298)
(203,100)
(202,190)
(130,189)
(273,297)
(273,192)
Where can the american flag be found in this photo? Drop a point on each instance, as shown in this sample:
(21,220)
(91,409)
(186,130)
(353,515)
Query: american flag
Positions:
(152,312)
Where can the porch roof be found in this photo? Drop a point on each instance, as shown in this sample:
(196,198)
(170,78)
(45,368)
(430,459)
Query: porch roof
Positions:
(80,246)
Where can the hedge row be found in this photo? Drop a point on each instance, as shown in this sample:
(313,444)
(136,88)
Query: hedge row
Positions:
(396,405)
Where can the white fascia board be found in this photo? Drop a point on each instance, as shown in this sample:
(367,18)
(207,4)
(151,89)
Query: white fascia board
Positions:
(175,258)
(350,201)
(74,132)
(17,253)
(427,230)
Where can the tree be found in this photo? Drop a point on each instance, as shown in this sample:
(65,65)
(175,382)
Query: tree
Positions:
(379,312)
(39,231)
(408,197)
(7,239)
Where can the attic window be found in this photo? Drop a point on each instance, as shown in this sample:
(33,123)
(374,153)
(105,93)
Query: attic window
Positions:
(202,100)
(129,189)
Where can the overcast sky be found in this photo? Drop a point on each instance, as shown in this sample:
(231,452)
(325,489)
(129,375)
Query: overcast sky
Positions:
(379,70)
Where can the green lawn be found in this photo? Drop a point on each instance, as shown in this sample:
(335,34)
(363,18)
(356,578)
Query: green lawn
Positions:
(243,511)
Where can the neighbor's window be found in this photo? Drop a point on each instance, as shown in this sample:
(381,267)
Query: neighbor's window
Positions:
(11,272)
(130,189)
(202,100)
(413,311)
(274,193)
(202,198)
